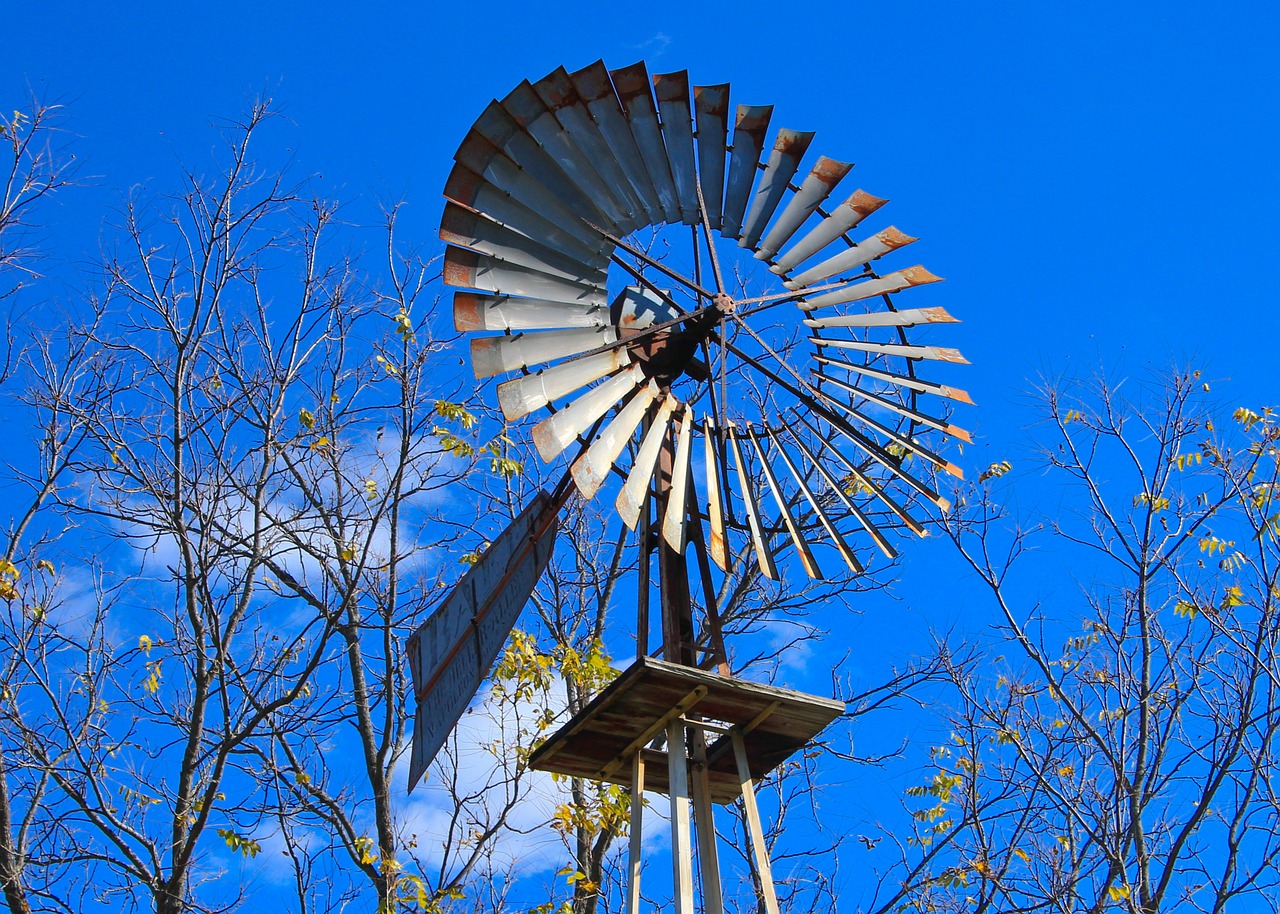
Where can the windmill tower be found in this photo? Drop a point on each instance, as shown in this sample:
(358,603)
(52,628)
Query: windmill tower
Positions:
(755,418)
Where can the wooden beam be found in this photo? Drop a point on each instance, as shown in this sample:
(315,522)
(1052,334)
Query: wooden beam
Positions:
(755,832)
(651,731)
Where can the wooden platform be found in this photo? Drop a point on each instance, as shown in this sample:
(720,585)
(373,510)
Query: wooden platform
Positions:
(599,743)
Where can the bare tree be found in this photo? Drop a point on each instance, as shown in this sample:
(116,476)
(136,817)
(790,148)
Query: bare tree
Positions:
(1119,753)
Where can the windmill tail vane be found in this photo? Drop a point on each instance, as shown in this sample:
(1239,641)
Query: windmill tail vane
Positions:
(702,323)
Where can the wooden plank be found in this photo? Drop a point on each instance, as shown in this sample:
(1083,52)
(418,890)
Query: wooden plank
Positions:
(760,853)
(678,791)
(704,826)
(637,835)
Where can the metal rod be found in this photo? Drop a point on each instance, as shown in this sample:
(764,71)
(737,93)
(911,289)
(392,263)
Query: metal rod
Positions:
(656,264)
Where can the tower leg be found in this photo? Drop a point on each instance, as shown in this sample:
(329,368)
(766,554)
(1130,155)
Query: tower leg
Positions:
(681,851)
(637,830)
(755,832)
(704,825)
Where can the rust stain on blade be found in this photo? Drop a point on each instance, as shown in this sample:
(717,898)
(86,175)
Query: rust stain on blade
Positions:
(715,510)
(460,267)
(468,312)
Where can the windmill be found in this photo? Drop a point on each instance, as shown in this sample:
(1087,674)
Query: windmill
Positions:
(699,326)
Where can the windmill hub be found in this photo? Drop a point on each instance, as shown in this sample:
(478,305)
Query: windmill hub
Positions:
(724,303)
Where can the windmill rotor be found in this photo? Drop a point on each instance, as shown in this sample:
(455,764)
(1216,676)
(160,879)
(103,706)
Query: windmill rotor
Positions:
(638,258)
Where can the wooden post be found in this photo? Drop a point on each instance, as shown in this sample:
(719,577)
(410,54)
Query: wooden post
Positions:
(704,825)
(637,831)
(755,831)
(681,851)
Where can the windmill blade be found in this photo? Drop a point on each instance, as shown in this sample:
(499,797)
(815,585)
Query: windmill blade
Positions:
(881,541)
(711,106)
(788,149)
(675,519)
(672,91)
(834,534)
(521,396)
(748,142)
(715,510)
(472,270)
(592,468)
(524,105)
(596,91)
(916,384)
(502,312)
(634,91)
(865,481)
(557,92)
(892,282)
(797,537)
(908,318)
(469,229)
(847,215)
(515,216)
(554,433)
(499,188)
(905,443)
(504,132)
(934,353)
(822,180)
(940,424)
(492,355)
(863,253)
(764,557)
(636,489)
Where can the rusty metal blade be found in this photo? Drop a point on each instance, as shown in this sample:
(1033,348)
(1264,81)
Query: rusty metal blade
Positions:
(788,149)
(596,90)
(837,540)
(881,541)
(845,216)
(935,353)
(521,396)
(711,106)
(748,142)
(524,105)
(471,270)
(863,253)
(557,92)
(917,384)
(636,94)
(470,229)
(797,537)
(554,433)
(674,521)
(502,190)
(493,355)
(907,318)
(822,179)
(940,424)
(764,557)
(635,490)
(502,312)
(891,282)
(715,510)
(840,424)
(592,468)
(907,444)
(672,91)
(503,131)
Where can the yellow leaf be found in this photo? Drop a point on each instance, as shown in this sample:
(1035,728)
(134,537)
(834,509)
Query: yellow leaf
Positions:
(1066,771)
(347,553)
(996,470)
(144,644)
(307,420)
(45,565)
(1022,855)
(371,488)
(321,443)
(1118,892)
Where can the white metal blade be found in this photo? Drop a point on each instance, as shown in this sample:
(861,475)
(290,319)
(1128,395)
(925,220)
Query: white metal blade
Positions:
(554,433)
(748,141)
(470,229)
(907,318)
(711,105)
(935,353)
(826,174)
(673,523)
(636,94)
(672,92)
(636,489)
(493,355)
(715,510)
(940,424)
(917,384)
(891,282)
(837,540)
(788,149)
(502,312)
(592,468)
(521,396)
(797,537)
(472,270)
(764,557)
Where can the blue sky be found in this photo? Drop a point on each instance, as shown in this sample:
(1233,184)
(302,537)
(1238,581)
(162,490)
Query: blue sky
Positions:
(1095,180)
